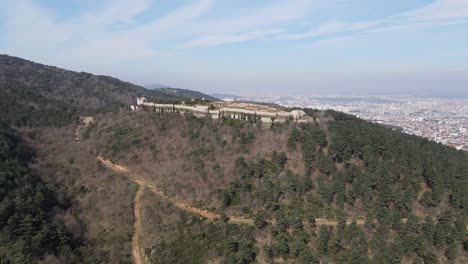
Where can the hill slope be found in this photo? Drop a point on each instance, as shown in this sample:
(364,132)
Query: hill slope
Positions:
(341,190)
(178,92)
(155,86)
(197,190)
(37,94)
(28,231)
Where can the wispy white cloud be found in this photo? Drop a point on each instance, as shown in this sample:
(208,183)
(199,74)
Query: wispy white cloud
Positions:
(87,35)
(26,23)
(137,42)
(275,13)
(440,9)
(332,27)
(417,25)
(117,11)
(438,13)
(96,34)
(251,24)
(215,40)
(176,18)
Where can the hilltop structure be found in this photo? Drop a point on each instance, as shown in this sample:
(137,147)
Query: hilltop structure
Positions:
(236,110)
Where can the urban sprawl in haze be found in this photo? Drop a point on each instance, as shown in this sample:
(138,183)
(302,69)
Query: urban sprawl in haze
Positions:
(442,120)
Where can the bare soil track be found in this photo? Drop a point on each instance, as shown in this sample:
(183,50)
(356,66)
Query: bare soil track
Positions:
(84,122)
(153,188)
(204,213)
(137,259)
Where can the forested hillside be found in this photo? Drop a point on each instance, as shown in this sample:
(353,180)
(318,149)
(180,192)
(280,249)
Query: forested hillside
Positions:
(339,190)
(163,187)
(33,94)
(181,93)
(27,230)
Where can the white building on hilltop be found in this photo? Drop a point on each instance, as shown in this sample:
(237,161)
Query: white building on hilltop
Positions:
(141,100)
(225,110)
(297,114)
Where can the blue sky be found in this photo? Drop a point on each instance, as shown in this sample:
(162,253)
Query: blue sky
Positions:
(251,47)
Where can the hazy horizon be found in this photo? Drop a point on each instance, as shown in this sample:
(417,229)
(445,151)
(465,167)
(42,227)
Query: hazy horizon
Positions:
(252,48)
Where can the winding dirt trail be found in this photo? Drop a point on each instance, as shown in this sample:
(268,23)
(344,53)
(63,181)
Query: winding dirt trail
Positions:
(209,215)
(324,221)
(84,122)
(153,188)
(137,259)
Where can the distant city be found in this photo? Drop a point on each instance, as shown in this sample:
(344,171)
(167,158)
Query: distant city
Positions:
(441,120)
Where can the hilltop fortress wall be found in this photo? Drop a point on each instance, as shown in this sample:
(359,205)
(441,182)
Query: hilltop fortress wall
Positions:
(269,115)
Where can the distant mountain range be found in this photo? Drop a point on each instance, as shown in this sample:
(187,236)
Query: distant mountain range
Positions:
(227,97)
(156,86)
(178,92)
(34,94)
(280,99)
